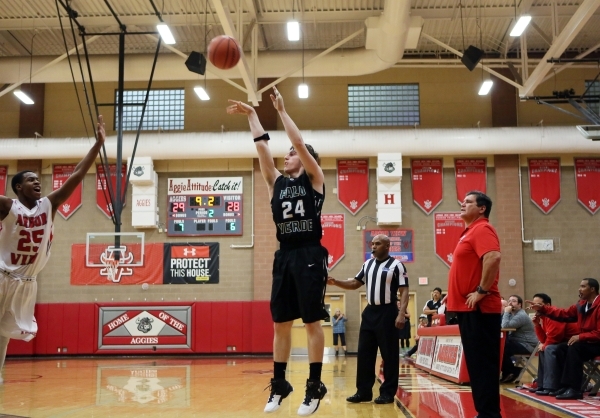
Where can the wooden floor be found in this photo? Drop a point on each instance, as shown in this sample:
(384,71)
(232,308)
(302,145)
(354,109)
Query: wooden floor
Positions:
(214,387)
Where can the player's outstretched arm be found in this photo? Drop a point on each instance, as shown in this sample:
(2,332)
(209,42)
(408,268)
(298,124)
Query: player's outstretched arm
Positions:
(60,195)
(267,166)
(311,166)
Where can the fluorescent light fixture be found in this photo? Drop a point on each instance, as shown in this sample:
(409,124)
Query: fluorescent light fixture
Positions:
(165,33)
(23,97)
(202,94)
(520,26)
(303,91)
(486,87)
(293,30)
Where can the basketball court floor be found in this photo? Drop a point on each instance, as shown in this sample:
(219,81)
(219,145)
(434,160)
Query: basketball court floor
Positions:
(165,386)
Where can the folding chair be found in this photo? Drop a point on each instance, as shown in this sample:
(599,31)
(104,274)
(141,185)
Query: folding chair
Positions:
(591,371)
(525,361)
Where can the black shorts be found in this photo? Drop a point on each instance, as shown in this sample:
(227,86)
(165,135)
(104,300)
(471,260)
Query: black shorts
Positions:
(299,281)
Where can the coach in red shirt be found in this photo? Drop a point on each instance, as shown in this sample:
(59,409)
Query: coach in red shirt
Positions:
(473,295)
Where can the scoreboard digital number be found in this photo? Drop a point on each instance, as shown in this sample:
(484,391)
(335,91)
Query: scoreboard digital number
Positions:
(204,214)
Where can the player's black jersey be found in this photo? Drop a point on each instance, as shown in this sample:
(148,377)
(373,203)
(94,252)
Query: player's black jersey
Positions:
(296,208)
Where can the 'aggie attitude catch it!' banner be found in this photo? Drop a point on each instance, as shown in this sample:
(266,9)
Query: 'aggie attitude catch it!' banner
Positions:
(164,263)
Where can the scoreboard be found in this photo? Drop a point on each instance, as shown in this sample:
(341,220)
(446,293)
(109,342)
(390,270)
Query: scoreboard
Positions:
(204,206)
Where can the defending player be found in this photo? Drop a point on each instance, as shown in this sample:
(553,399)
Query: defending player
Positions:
(300,265)
(26,231)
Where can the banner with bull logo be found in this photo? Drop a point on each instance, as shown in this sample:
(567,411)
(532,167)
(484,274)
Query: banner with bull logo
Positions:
(587,180)
(333,237)
(544,183)
(353,184)
(102,194)
(427,183)
(470,174)
(60,174)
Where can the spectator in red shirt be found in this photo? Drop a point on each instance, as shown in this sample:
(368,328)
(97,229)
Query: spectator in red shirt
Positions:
(553,336)
(473,295)
(581,347)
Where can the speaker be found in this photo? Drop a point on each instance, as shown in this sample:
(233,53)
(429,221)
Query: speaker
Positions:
(196,63)
(471,57)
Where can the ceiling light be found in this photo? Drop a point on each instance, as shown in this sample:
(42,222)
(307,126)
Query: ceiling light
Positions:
(202,94)
(293,30)
(165,33)
(520,26)
(303,91)
(23,97)
(486,87)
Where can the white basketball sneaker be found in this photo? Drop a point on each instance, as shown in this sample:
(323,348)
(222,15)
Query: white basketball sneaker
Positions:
(280,389)
(315,391)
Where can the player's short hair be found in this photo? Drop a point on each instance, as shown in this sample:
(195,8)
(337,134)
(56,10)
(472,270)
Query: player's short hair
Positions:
(312,152)
(18,179)
(543,297)
(593,283)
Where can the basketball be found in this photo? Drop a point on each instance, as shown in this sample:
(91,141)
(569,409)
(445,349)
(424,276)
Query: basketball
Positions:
(224,52)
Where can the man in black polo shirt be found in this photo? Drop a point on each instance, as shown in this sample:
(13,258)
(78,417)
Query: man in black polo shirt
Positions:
(383,277)
(433,304)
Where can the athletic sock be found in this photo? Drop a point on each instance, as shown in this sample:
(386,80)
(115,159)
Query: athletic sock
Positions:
(279,370)
(315,371)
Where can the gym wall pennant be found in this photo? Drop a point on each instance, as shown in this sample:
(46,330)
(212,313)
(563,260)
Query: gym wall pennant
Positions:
(333,237)
(353,184)
(102,195)
(427,183)
(448,227)
(3,172)
(470,174)
(587,180)
(60,174)
(544,183)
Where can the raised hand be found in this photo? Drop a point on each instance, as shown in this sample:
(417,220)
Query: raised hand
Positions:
(239,108)
(534,306)
(100,129)
(277,100)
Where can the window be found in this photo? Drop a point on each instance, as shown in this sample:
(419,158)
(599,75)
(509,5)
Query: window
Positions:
(383,105)
(593,91)
(164,111)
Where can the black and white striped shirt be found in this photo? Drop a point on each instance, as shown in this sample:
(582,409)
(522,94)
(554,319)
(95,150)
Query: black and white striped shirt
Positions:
(382,280)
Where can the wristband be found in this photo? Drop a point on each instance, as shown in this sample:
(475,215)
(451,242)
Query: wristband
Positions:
(264,136)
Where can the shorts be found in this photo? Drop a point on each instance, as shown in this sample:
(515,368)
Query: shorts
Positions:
(299,282)
(17,304)
(342,338)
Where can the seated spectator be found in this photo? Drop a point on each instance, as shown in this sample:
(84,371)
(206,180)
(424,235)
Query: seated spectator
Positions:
(521,341)
(581,347)
(552,353)
(433,304)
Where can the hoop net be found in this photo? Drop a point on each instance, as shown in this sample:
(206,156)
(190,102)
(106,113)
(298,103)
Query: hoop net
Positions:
(112,269)
(111,259)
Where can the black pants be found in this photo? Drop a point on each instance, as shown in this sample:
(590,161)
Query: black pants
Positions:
(480,336)
(550,364)
(377,330)
(577,354)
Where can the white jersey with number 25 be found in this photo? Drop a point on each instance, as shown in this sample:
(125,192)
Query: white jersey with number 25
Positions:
(25,238)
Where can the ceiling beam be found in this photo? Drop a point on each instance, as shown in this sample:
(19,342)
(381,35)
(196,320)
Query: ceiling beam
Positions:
(562,41)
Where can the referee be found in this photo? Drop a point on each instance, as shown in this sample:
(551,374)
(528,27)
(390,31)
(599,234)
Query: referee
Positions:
(384,277)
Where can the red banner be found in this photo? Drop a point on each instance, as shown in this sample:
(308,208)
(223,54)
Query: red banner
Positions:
(102,195)
(151,272)
(448,227)
(60,174)
(587,180)
(353,184)
(427,183)
(544,183)
(333,237)
(3,171)
(470,174)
